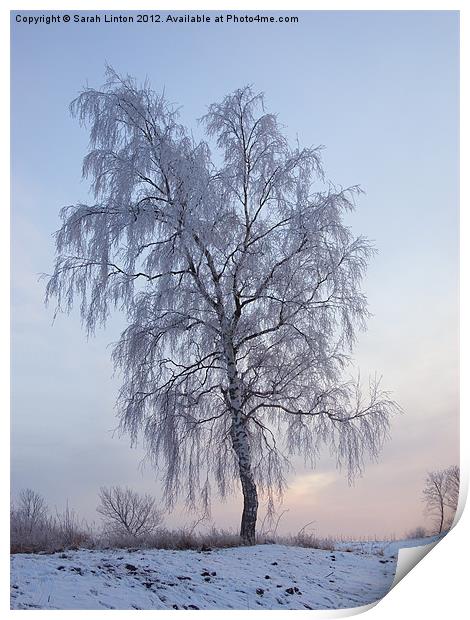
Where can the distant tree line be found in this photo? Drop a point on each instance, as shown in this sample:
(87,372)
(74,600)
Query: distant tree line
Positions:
(131,518)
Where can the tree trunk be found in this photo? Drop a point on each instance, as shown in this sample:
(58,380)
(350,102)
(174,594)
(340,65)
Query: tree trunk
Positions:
(441,521)
(250,511)
(240,443)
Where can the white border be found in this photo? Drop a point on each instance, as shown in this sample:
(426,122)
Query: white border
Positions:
(439,586)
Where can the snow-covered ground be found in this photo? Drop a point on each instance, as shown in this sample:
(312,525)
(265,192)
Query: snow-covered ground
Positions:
(264,576)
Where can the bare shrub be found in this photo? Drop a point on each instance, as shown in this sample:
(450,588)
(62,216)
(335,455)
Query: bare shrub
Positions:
(33,509)
(273,519)
(119,539)
(304,538)
(309,540)
(184,538)
(30,523)
(180,539)
(70,531)
(33,529)
(126,512)
(417,532)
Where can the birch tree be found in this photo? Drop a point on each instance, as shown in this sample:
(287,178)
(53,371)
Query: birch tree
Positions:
(241,287)
(441,495)
(434,495)
(453,488)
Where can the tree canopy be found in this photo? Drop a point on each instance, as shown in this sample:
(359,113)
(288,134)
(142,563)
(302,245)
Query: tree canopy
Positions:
(241,287)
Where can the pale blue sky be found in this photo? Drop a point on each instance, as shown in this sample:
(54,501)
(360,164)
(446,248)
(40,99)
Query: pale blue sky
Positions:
(380,91)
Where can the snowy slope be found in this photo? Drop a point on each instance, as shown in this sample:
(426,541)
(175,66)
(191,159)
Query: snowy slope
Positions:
(264,576)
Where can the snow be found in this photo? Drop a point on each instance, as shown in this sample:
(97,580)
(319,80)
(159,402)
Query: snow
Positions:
(263,576)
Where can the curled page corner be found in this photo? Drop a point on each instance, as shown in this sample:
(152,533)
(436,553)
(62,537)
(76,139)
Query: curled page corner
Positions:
(348,612)
(409,557)
(463,493)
